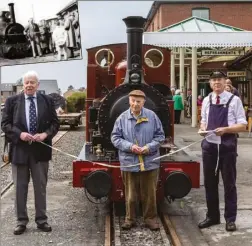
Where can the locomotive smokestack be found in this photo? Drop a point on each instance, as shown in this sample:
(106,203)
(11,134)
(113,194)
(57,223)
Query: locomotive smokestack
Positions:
(135,25)
(12,12)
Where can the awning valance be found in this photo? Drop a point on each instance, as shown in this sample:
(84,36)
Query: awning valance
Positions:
(198,39)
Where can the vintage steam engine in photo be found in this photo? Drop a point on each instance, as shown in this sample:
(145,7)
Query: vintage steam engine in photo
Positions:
(108,87)
(13,41)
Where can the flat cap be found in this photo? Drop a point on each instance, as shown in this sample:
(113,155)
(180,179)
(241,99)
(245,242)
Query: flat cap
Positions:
(217,74)
(137,93)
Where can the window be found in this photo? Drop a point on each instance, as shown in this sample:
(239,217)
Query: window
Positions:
(201,13)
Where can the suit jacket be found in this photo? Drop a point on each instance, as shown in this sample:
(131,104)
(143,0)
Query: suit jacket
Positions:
(14,122)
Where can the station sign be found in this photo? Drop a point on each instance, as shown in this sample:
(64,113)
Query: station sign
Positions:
(203,76)
(236,74)
(222,52)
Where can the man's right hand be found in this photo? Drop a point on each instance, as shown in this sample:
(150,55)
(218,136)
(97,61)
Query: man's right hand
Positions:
(25,136)
(136,149)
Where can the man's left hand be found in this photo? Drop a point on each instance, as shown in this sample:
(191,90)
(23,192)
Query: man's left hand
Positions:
(39,137)
(220,131)
(144,150)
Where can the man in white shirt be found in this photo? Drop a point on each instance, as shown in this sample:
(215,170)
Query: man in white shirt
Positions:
(222,112)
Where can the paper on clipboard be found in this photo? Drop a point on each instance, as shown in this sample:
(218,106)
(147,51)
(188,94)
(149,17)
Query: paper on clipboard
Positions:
(211,131)
(211,137)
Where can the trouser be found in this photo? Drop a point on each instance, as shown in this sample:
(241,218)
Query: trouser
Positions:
(36,44)
(61,50)
(143,183)
(21,178)
(227,166)
(177,116)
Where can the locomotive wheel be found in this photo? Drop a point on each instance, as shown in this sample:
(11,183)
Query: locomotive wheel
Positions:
(117,101)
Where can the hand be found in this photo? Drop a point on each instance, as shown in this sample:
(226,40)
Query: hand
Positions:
(202,128)
(25,136)
(144,150)
(220,131)
(136,149)
(39,137)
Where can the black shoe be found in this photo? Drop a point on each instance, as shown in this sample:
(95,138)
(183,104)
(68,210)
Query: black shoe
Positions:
(208,222)
(20,229)
(230,226)
(44,227)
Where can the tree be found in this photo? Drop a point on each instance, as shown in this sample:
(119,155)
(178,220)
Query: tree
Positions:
(70,87)
(76,102)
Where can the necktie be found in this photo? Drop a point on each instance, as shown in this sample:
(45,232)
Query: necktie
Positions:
(218,100)
(32,116)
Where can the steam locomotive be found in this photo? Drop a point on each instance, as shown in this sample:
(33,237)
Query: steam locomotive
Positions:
(13,42)
(110,79)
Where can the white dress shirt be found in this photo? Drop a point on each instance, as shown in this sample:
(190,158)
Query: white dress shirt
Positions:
(27,108)
(236,113)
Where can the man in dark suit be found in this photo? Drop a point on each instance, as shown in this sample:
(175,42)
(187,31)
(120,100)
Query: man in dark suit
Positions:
(28,119)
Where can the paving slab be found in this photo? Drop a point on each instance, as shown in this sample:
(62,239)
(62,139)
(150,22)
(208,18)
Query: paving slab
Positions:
(195,200)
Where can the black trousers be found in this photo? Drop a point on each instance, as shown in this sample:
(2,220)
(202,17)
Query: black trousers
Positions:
(177,116)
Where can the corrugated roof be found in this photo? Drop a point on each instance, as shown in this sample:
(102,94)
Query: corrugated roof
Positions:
(70,4)
(197,24)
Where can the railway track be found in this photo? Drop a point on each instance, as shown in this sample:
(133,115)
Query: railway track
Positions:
(115,236)
(59,135)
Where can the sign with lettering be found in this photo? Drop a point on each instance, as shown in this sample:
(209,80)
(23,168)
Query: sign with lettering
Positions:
(236,73)
(203,76)
(222,52)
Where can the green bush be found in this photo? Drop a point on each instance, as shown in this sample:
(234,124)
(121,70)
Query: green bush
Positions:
(76,102)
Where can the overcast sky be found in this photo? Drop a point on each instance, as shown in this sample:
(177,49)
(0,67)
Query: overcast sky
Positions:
(100,23)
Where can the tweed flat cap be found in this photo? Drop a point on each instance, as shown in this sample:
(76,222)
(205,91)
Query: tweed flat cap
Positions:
(217,74)
(137,93)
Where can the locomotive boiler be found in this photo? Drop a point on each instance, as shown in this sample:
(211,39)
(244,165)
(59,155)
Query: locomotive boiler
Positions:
(97,167)
(13,42)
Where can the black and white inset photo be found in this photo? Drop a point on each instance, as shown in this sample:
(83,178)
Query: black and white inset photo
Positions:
(33,31)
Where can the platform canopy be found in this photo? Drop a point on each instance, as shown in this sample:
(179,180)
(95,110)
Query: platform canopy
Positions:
(197,32)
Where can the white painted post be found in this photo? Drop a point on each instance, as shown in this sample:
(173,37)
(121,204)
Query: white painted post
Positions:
(182,77)
(172,68)
(194,87)
(188,77)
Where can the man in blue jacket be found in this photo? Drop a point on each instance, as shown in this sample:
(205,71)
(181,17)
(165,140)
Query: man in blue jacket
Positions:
(138,134)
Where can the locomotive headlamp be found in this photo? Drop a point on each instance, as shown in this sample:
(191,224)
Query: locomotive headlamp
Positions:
(135,78)
(98,183)
(177,185)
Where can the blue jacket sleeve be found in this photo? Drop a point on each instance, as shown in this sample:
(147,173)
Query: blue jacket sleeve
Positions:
(117,137)
(158,137)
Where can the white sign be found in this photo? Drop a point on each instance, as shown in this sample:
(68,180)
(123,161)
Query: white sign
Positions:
(236,74)
(222,52)
(203,76)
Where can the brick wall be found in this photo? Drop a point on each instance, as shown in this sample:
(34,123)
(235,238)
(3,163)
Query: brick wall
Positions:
(233,14)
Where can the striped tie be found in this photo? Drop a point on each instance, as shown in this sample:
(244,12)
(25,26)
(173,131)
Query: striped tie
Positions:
(32,116)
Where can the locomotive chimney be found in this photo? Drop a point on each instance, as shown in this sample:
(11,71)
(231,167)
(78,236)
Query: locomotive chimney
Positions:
(12,12)
(135,25)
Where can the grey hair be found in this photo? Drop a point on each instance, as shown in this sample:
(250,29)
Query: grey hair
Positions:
(30,74)
(177,92)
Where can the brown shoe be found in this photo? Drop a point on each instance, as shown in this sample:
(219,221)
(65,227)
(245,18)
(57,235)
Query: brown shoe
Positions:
(152,225)
(128,225)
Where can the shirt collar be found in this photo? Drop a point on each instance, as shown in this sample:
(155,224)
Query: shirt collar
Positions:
(131,116)
(222,95)
(34,95)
